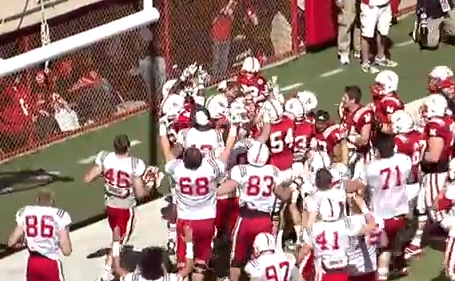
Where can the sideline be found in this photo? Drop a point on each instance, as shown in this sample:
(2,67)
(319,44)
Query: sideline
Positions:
(150,229)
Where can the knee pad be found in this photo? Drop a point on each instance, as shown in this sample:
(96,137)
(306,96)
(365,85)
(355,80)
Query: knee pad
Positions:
(200,267)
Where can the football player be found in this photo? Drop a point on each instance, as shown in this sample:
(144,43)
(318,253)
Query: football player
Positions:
(310,102)
(356,123)
(440,81)
(385,99)
(329,238)
(252,82)
(270,264)
(439,134)
(197,178)
(123,182)
(386,178)
(260,195)
(412,143)
(44,230)
(201,135)
(328,137)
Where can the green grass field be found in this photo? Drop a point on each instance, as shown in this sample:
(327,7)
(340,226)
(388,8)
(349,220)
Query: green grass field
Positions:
(318,72)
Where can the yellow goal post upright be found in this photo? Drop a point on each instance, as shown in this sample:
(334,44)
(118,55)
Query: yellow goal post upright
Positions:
(107,44)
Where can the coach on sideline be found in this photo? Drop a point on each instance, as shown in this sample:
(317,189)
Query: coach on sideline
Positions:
(436,19)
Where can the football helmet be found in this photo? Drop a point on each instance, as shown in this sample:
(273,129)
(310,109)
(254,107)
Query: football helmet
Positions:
(258,154)
(296,108)
(308,100)
(402,122)
(217,106)
(172,105)
(435,105)
(329,210)
(264,242)
(201,118)
(386,82)
(238,113)
(440,78)
(274,109)
(251,65)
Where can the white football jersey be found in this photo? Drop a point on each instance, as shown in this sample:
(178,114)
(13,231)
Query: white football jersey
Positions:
(271,266)
(336,196)
(195,190)
(363,250)
(256,186)
(118,173)
(330,243)
(136,276)
(203,140)
(386,179)
(42,226)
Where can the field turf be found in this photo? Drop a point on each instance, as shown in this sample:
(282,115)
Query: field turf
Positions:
(318,72)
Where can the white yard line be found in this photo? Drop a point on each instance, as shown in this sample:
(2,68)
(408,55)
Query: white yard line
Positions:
(403,44)
(92,158)
(291,87)
(331,72)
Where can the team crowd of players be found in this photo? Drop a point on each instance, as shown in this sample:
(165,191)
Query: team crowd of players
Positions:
(237,159)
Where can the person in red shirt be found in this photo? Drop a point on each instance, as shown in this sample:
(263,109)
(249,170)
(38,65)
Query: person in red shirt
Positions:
(221,35)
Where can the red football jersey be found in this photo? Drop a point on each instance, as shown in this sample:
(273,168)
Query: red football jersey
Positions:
(353,123)
(281,143)
(412,144)
(256,85)
(328,138)
(304,131)
(440,127)
(387,105)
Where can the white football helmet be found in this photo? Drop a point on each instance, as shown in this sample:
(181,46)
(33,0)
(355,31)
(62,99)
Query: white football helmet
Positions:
(308,99)
(238,113)
(264,242)
(329,210)
(258,154)
(296,108)
(172,105)
(217,106)
(388,80)
(402,122)
(274,109)
(251,65)
(435,105)
(222,86)
(441,72)
(167,87)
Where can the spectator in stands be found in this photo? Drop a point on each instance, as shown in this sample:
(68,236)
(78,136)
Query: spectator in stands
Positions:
(301,24)
(348,28)
(16,115)
(222,35)
(94,98)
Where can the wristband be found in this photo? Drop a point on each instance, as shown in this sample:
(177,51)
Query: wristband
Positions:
(233,131)
(116,249)
(352,138)
(189,251)
(364,209)
(163,130)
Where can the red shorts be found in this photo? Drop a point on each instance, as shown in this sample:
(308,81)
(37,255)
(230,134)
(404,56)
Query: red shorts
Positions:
(42,268)
(203,234)
(123,219)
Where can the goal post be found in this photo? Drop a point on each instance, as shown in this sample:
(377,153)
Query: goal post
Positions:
(97,74)
(148,15)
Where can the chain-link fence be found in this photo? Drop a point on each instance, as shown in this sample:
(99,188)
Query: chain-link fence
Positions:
(112,79)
